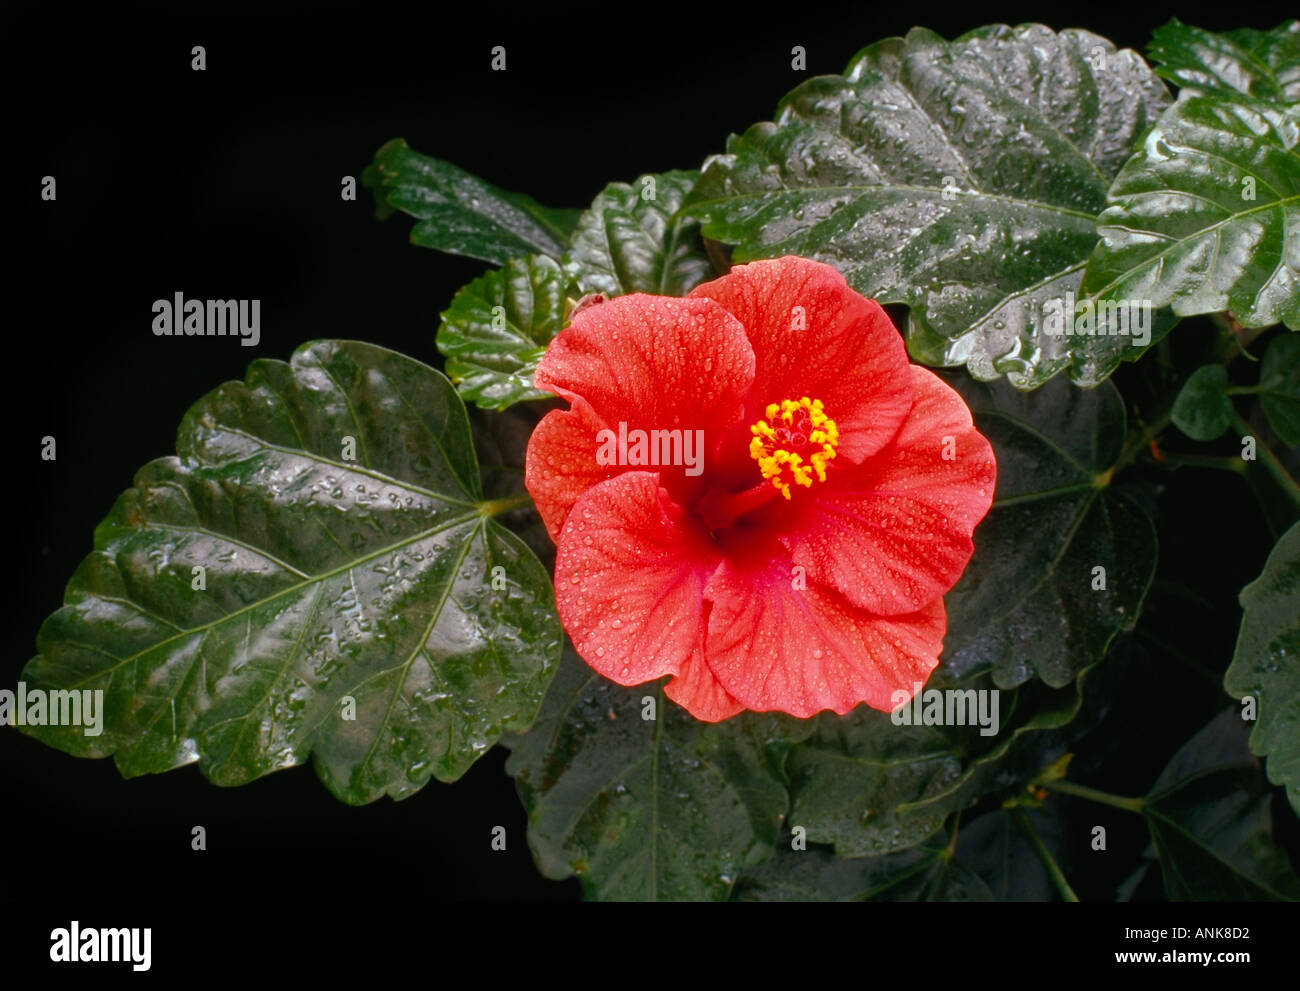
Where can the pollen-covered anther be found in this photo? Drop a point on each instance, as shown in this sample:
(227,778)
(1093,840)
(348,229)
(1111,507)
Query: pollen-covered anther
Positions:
(793,443)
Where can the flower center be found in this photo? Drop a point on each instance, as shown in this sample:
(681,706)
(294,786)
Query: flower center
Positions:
(794,443)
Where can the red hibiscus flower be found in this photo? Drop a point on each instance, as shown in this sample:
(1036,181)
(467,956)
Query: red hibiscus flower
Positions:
(755,492)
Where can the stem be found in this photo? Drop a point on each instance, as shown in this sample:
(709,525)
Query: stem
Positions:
(495,507)
(1270,462)
(951,850)
(1136,445)
(1221,463)
(1236,338)
(1054,872)
(1093,795)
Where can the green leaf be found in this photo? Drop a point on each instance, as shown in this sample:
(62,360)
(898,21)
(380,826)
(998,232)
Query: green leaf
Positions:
(1203,409)
(1027,603)
(924,873)
(460,213)
(631,239)
(642,809)
(1279,387)
(961,178)
(1264,65)
(492,353)
(996,849)
(850,780)
(1206,216)
(1266,662)
(869,786)
(349,605)
(992,861)
(1210,821)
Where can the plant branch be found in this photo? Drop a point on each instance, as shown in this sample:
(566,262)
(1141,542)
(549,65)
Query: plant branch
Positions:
(1093,795)
(1218,462)
(1137,443)
(495,507)
(1021,819)
(1236,338)
(1270,462)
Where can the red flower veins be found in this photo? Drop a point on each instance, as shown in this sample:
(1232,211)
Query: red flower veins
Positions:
(754,491)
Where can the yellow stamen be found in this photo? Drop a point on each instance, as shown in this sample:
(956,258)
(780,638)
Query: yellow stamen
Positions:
(795,445)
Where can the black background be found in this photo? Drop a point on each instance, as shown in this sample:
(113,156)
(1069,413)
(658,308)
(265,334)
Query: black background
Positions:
(225,183)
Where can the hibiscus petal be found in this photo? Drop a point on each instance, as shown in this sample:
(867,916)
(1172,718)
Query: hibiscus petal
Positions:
(802,650)
(561,462)
(630,570)
(697,690)
(895,534)
(842,348)
(653,362)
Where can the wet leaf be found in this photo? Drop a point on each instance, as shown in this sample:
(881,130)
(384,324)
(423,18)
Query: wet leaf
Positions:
(867,785)
(923,873)
(314,574)
(462,214)
(1266,662)
(631,239)
(1206,216)
(640,809)
(992,861)
(996,849)
(1210,820)
(1203,410)
(1260,64)
(497,329)
(1279,387)
(961,178)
